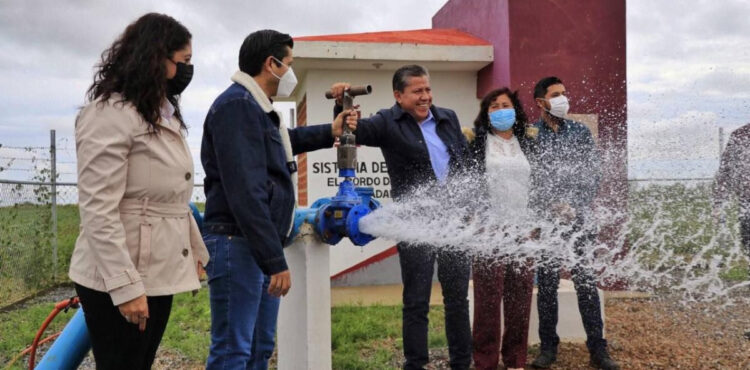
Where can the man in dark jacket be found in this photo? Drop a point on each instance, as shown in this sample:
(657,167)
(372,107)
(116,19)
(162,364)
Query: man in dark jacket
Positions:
(733,178)
(564,181)
(422,144)
(247,153)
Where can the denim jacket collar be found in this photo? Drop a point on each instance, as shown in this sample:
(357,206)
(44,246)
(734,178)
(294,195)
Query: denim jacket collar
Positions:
(248,82)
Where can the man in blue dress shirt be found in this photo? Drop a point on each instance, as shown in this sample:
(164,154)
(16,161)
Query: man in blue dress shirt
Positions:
(422,144)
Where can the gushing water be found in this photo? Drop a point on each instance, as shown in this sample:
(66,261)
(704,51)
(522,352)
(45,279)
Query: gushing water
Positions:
(667,241)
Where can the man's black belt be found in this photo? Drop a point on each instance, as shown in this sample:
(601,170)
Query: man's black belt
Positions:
(222,229)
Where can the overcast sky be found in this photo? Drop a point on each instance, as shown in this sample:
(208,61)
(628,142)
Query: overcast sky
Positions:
(688,62)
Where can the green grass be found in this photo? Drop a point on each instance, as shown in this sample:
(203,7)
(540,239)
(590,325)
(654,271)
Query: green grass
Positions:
(678,219)
(188,330)
(18,328)
(26,253)
(362,337)
(367,337)
(26,264)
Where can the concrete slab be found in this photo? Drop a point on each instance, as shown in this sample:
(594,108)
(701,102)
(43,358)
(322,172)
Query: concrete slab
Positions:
(386,295)
(569,327)
(569,323)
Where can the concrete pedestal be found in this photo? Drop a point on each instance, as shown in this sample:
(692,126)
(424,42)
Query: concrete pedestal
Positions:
(304,326)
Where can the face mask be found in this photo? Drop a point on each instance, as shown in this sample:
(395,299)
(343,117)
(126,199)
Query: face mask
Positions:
(559,106)
(287,82)
(503,119)
(181,79)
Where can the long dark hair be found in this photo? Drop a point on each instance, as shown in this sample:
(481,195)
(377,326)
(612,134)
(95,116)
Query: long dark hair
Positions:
(483,119)
(134,66)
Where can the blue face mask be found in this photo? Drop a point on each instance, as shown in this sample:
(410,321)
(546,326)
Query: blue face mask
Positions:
(503,119)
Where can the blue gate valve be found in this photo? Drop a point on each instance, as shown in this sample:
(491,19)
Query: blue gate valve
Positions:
(338,217)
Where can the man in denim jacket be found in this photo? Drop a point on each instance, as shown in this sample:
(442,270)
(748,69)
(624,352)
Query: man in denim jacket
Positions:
(564,182)
(247,153)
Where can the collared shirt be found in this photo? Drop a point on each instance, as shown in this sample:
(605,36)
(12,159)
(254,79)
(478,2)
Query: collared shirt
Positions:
(402,142)
(565,165)
(167,110)
(439,156)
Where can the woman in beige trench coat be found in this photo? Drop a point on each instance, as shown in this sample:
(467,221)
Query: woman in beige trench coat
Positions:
(138,243)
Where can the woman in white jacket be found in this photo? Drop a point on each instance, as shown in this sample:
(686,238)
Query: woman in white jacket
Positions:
(497,146)
(138,243)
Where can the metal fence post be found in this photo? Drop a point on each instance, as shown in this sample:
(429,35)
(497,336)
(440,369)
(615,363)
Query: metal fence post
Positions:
(53,183)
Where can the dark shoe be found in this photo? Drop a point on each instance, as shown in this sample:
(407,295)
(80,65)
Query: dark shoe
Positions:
(601,360)
(544,360)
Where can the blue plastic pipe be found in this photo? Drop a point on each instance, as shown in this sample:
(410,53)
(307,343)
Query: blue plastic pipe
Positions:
(70,347)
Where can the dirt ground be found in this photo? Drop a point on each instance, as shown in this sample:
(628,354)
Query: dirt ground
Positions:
(658,334)
(647,334)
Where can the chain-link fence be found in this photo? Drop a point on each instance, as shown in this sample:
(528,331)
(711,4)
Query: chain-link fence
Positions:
(38,230)
(31,248)
(39,220)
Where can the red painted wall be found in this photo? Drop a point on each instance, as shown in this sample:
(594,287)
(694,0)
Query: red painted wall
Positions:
(486,19)
(580,41)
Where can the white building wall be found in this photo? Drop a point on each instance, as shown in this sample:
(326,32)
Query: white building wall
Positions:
(451,89)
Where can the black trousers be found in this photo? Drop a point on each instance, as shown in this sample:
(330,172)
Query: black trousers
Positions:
(116,343)
(417,268)
(745,228)
(584,280)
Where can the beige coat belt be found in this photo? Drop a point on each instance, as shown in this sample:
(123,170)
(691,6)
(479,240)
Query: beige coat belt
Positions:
(147,208)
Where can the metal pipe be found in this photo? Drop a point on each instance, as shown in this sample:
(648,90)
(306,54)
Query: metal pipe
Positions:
(53,180)
(16,182)
(353,91)
(347,148)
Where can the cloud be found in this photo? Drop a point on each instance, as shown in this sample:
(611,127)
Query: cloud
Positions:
(50,48)
(692,135)
(689,54)
(687,60)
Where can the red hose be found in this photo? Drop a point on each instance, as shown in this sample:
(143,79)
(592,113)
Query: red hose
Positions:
(59,306)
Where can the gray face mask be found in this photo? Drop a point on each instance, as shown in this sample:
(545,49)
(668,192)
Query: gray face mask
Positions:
(287,82)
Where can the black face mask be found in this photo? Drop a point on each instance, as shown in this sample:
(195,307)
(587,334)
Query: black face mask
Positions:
(181,79)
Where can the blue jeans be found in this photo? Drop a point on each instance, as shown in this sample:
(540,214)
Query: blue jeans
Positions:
(243,314)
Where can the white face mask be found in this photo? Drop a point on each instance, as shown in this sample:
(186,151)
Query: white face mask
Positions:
(287,82)
(559,106)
